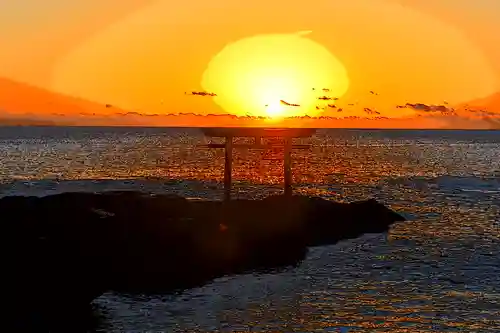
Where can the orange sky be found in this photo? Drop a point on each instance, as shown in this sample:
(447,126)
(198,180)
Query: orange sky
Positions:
(142,55)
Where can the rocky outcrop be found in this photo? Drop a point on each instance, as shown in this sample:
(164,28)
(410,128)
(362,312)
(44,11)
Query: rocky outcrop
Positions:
(62,251)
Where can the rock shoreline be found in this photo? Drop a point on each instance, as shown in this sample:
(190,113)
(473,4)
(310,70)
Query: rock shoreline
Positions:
(64,250)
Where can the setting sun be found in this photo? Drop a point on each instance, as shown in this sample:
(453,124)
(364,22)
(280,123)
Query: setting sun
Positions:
(374,55)
(275,110)
(276,76)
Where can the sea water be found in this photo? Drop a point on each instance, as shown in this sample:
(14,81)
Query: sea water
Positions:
(438,272)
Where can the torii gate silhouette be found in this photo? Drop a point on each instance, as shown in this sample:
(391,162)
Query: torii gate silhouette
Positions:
(229,133)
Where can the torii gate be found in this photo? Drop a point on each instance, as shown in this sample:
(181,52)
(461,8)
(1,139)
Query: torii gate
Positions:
(258,133)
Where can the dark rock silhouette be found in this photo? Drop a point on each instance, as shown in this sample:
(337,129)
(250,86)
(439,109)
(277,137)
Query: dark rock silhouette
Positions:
(65,250)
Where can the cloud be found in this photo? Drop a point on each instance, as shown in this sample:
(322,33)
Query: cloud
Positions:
(288,104)
(370,111)
(494,123)
(483,113)
(201,93)
(304,32)
(421,107)
(423,120)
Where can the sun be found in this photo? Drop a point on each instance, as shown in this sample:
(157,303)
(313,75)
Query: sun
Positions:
(276,75)
(275,110)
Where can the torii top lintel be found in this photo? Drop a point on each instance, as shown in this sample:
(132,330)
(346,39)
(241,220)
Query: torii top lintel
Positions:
(258,132)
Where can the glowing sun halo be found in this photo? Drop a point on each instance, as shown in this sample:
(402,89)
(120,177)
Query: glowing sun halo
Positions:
(262,75)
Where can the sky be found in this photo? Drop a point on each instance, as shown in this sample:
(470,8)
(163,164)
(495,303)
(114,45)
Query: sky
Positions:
(386,61)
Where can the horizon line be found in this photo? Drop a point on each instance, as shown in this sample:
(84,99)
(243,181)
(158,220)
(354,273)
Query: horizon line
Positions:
(258,127)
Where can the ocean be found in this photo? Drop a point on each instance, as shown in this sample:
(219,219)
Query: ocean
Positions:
(438,272)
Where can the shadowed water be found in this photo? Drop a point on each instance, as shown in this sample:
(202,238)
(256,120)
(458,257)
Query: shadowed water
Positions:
(439,272)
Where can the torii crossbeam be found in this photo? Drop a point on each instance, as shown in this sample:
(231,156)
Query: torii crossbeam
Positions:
(229,133)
